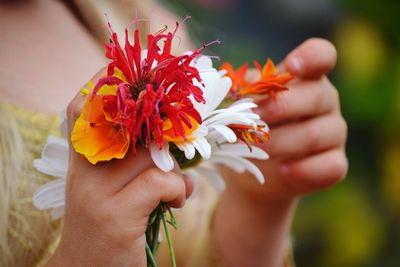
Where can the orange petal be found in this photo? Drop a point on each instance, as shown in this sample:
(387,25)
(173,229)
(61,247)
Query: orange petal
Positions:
(93,109)
(269,68)
(169,133)
(95,137)
(99,142)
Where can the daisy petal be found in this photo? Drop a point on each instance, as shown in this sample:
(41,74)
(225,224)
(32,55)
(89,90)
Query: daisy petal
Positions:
(240,165)
(241,150)
(203,63)
(204,148)
(188,149)
(161,157)
(50,195)
(213,177)
(226,132)
(54,160)
(57,213)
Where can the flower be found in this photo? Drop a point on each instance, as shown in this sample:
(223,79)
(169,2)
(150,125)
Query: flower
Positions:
(234,156)
(269,83)
(53,162)
(145,98)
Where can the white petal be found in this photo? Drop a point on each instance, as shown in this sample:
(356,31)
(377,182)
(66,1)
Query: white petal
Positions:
(57,213)
(236,108)
(50,195)
(226,132)
(229,118)
(201,131)
(241,150)
(228,161)
(243,100)
(220,92)
(54,159)
(204,148)
(210,80)
(212,177)
(215,138)
(203,63)
(222,72)
(242,106)
(240,165)
(188,149)
(161,157)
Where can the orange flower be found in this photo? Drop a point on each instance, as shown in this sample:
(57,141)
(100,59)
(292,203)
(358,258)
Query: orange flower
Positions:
(237,77)
(96,136)
(249,134)
(169,134)
(269,84)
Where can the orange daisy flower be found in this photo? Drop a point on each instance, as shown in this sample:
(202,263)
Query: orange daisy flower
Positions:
(269,84)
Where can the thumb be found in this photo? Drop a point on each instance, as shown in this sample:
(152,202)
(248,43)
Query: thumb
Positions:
(312,59)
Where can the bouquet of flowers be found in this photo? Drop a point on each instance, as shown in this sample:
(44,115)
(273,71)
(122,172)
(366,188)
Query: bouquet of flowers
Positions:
(178,107)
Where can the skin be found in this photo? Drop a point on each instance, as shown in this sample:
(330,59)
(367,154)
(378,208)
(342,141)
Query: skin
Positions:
(307,154)
(121,199)
(308,134)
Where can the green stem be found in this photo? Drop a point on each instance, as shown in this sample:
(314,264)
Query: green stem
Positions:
(154,245)
(150,257)
(168,234)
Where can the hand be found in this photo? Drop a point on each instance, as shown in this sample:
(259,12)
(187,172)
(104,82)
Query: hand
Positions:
(307,154)
(308,132)
(108,205)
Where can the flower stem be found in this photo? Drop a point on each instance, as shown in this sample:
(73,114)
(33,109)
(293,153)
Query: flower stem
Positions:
(168,234)
(150,257)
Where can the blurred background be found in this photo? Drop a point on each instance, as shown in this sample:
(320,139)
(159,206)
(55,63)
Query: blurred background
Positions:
(357,223)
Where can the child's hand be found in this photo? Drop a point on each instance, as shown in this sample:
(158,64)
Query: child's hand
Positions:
(108,205)
(307,154)
(308,132)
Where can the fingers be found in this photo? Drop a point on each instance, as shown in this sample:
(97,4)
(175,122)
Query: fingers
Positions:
(189,185)
(312,59)
(153,186)
(75,107)
(306,137)
(304,99)
(315,172)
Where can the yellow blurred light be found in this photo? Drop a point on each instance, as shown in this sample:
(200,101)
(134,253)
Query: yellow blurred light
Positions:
(362,52)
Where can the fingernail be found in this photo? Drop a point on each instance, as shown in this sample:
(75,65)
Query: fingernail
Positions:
(296,63)
(285,170)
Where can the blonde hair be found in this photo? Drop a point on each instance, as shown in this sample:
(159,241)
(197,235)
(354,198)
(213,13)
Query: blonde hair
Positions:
(11,155)
(25,233)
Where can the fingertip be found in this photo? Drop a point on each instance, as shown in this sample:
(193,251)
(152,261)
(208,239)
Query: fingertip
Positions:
(189,185)
(312,59)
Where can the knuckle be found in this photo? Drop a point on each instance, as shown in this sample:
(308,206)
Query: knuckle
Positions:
(297,171)
(151,178)
(279,111)
(312,135)
(317,98)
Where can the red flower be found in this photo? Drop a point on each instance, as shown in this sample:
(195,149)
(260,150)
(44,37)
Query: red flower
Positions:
(151,88)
